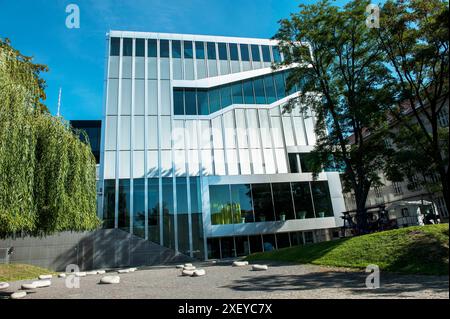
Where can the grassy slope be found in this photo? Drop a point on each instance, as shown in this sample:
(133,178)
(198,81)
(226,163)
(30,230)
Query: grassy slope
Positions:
(413,250)
(13,272)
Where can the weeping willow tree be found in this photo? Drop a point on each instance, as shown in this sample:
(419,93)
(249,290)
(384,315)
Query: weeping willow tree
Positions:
(47,175)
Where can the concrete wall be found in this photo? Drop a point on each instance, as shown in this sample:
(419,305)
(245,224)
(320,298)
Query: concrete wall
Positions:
(105,248)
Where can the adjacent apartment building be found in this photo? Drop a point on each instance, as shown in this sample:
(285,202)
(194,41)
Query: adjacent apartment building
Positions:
(197,154)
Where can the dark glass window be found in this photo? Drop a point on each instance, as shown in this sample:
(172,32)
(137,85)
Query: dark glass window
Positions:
(190,102)
(199,50)
(219,196)
(202,100)
(237,93)
(168,213)
(282,197)
(255,53)
(213,248)
(293,163)
(115,47)
(266,53)
(276,54)
(322,199)
(124,205)
(283,240)
(255,244)
(280,86)
(249,97)
(109,203)
(188,54)
(241,199)
(182,215)
(269,242)
(259,91)
(262,201)
(245,56)
(270,89)
(138,207)
(306,162)
(227,247)
(223,51)
(152,48)
(296,238)
(153,209)
(225,96)
(178,101)
(176,49)
(294,88)
(140,47)
(302,200)
(196,216)
(127,49)
(242,245)
(211,46)
(234,56)
(214,100)
(164,48)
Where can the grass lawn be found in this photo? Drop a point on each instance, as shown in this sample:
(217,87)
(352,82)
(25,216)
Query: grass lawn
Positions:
(411,250)
(14,272)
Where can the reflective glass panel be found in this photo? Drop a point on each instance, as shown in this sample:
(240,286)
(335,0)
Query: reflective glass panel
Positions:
(322,199)
(221,212)
(211,50)
(234,56)
(188,54)
(140,47)
(262,201)
(153,209)
(127,49)
(178,101)
(152,48)
(115,47)
(245,56)
(255,53)
(138,207)
(164,48)
(199,50)
(282,197)
(202,100)
(302,200)
(190,102)
(176,49)
(223,51)
(266,53)
(124,205)
(242,206)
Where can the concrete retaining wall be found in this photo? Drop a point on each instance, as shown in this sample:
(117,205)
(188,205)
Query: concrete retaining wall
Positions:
(104,248)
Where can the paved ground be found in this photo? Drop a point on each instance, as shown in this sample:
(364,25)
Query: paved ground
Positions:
(224,281)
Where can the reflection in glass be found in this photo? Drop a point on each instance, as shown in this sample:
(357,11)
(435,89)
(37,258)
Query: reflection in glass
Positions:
(124,205)
(221,208)
(322,199)
(182,216)
(138,207)
(262,201)
(168,213)
(196,215)
(153,209)
(302,200)
(282,196)
(241,202)
(109,203)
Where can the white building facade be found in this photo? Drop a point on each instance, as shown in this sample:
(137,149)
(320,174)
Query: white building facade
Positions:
(197,154)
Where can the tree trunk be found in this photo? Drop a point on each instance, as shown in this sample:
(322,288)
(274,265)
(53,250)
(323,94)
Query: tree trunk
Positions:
(445,188)
(361,212)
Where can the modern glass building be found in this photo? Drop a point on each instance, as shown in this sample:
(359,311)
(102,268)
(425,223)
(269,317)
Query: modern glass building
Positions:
(197,154)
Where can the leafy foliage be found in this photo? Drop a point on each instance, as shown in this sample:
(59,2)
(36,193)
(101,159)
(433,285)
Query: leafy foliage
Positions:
(347,77)
(47,175)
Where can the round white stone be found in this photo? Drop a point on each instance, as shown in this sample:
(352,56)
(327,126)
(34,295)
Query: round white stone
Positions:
(18,295)
(199,273)
(29,286)
(80,274)
(188,265)
(180,266)
(240,263)
(123,271)
(187,272)
(90,273)
(44,277)
(132,269)
(42,283)
(110,280)
(259,267)
(101,272)
(3,285)
(189,268)
(62,275)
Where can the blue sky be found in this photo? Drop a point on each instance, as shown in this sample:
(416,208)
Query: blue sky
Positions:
(76,56)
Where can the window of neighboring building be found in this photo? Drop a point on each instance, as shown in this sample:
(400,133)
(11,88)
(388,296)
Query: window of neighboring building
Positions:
(306,162)
(443,118)
(262,201)
(202,100)
(397,188)
(405,212)
(322,199)
(293,163)
(276,55)
(115,47)
(377,191)
(190,102)
(127,49)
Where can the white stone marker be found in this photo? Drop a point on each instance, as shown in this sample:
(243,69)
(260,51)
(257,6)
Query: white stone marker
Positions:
(110,280)
(29,286)
(187,272)
(179,266)
(260,267)
(44,277)
(90,273)
(123,271)
(80,274)
(240,263)
(199,273)
(18,295)
(62,275)
(188,265)
(42,283)
(189,268)
(3,285)
(101,272)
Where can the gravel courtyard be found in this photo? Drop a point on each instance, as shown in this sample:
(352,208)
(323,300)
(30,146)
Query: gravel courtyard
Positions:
(224,281)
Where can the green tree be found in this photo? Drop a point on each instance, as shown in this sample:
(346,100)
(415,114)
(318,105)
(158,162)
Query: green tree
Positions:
(345,75)
(414,36)
(47,175)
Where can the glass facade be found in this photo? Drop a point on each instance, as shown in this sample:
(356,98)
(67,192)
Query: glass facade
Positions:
(166,146)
